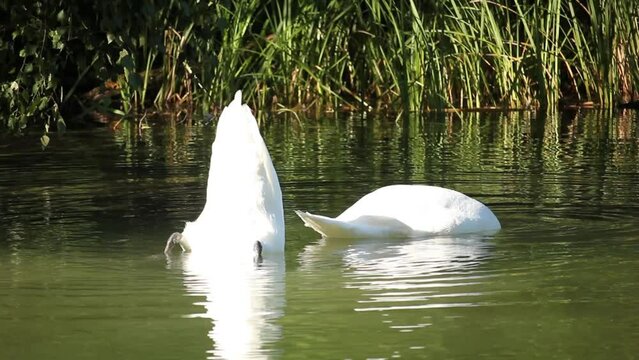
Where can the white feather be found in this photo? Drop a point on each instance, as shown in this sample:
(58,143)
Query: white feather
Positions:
(243,196)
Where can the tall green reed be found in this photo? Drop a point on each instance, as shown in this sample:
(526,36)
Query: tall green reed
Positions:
(402,55)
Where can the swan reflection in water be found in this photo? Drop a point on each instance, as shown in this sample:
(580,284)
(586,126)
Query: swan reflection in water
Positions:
(243,299)
(407,274)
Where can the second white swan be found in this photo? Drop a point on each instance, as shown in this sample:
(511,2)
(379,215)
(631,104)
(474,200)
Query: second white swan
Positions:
(406,211)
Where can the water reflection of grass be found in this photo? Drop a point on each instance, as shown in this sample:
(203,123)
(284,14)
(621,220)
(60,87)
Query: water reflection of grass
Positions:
(519,157)
(581,162)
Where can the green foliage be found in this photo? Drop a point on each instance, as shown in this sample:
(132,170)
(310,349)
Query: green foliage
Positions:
(53,51)
(401,54)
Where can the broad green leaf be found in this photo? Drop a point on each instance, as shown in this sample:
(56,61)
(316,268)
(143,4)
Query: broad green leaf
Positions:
(62,126)
(126,60)
(135,81)
(56,39)
(43,103)
(61,16)
(44,140)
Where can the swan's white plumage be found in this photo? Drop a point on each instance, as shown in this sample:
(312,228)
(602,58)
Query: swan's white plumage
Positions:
(406,211)
(243,196)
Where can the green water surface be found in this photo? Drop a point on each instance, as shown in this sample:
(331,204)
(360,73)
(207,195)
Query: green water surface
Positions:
(84,222)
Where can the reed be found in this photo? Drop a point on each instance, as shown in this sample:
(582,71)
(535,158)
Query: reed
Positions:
(409,56)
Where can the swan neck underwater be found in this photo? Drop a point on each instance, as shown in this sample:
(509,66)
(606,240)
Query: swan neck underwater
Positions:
(243,212)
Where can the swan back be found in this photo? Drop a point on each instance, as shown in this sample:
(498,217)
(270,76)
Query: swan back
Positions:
(243,196)
(424,209)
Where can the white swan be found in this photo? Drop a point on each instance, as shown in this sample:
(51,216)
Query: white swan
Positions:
(406,211)
(243,210)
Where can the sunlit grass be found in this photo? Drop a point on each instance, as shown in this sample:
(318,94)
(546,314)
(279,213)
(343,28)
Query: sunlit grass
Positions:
(408,56)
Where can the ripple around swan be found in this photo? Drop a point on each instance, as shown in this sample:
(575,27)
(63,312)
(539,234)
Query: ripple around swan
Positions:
(517,267)
(412,274)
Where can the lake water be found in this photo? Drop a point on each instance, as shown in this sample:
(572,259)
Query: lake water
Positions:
(84,222)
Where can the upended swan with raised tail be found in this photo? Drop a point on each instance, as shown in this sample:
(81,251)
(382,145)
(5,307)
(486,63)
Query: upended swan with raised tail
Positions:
(407,211)
(243,211)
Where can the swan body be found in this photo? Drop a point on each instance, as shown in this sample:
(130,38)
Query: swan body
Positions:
(243,210)
(406,211)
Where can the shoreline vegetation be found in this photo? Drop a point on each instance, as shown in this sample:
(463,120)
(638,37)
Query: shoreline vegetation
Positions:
(76,61)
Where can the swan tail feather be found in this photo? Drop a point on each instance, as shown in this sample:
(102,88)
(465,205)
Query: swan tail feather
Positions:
(326,226)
